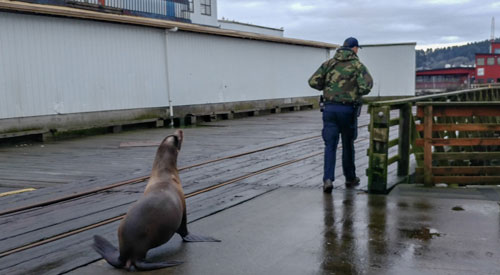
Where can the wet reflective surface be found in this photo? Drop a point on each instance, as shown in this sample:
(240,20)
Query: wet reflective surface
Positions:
(303,231)
(370,234)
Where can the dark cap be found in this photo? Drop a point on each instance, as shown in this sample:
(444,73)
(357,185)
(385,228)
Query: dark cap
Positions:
(351,42)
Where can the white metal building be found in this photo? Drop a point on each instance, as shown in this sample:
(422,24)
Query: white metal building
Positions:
(392,67)
(72,68)
(62,70)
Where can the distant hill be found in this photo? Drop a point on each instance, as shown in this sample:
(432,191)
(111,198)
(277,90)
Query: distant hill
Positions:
(455,56)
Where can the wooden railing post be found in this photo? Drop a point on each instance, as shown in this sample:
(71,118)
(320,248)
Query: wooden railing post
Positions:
(428,120)
(379,147)
(405,135)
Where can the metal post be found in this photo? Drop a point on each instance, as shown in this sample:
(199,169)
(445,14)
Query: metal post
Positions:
(171,107)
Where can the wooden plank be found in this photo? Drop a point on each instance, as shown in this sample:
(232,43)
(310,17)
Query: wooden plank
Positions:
(467,179)
(460,141)
(405,126)
(23,133)
(393,142)
(465,170)
(393,159)
(461,155)
(467,155)
(66,254)
(428,121)
(463,111)
(379,149)
(394,122)
(462,127)
(470,103)
(380,134)
(442,96)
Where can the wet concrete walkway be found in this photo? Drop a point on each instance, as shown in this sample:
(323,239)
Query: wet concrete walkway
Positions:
(297,231)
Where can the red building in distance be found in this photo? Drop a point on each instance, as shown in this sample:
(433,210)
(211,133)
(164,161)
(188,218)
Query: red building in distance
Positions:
(488,65)
(444,80)
(486,72)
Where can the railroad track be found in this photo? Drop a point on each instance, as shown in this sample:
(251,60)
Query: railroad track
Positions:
(119,217)
(142,179)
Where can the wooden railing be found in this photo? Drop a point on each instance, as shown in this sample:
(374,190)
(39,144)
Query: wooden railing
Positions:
(393,136)
(465,137)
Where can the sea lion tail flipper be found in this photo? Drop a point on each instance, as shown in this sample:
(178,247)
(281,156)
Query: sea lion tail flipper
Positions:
(196,238)
(107,251)
(143,265)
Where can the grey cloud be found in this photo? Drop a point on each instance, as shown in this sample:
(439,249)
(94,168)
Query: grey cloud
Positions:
(384,21)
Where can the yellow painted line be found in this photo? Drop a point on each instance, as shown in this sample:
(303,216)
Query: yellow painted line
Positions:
(16,192)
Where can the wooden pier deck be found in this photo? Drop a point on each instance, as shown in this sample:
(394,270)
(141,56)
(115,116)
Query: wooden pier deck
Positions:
(61,168)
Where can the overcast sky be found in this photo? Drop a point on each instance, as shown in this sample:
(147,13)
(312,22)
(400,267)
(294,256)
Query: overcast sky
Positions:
(427,22)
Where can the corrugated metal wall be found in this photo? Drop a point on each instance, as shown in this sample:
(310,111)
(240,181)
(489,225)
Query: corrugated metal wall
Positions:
(55,65)
(392,68)
(213,69)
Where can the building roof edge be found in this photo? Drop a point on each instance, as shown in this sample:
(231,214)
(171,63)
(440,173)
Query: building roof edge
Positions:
(6,5)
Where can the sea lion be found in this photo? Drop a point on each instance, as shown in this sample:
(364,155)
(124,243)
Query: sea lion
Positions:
(155,217)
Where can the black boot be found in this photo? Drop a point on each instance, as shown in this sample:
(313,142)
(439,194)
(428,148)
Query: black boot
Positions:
(327,186)
(352,183)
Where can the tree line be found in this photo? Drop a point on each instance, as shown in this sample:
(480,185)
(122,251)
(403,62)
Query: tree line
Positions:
(455,56)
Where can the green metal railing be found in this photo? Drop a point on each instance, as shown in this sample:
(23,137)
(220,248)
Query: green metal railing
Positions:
(388,116)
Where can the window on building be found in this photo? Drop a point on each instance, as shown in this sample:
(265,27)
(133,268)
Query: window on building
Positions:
(480,62)
(498,61)
(191,6)
(497,51)
(490,61)
(490,80)
(206,7)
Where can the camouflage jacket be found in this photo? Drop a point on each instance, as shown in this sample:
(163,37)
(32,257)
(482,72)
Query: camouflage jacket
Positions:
(343,78)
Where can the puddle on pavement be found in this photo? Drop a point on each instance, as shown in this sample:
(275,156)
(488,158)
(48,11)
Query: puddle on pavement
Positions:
(422,205)
(423,234)
(403,204)
(458,208)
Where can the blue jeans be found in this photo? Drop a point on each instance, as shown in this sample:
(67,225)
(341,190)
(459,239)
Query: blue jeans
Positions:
(340,120)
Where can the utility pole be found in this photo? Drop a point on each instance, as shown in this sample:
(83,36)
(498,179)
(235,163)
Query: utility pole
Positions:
(492,39)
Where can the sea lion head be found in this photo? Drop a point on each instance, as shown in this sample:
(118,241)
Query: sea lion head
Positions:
(175,140)
(166,155)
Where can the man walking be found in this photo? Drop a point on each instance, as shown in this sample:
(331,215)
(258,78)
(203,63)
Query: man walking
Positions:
(343,80)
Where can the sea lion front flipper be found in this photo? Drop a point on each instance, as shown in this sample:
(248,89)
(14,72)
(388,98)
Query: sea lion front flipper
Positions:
(143,265)
(107,251)
(196,238)
(188,237)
